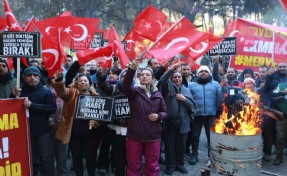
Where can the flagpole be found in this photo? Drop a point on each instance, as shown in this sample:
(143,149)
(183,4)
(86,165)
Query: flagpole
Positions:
(150,46)
(18,74)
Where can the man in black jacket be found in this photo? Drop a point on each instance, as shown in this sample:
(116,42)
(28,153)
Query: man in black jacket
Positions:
(41,103)
(276,86)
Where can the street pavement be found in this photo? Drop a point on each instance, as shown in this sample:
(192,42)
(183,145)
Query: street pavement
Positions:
(195,170)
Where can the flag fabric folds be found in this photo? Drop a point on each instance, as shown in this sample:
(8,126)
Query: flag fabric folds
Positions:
(149,23)
(11,20)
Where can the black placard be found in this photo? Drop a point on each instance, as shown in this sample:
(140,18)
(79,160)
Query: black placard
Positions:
(121,107)
(97,40)
(226,47)
(94,107)
(20,44)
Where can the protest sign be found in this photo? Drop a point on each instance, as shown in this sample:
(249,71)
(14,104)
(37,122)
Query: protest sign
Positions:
(15,148)
(94,107)
(226,47)
(20,44)
(121,107)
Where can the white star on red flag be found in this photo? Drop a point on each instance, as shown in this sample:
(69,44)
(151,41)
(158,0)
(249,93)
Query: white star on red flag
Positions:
(242,39)
(68,30)
(14,26)
(147,26)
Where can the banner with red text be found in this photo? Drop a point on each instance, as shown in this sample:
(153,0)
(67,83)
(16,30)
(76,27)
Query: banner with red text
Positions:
(257,45)
(15,151)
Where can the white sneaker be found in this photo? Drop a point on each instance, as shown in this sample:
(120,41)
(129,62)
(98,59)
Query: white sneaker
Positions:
(208,164)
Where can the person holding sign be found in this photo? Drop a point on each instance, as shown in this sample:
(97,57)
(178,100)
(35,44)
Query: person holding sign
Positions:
(83,135)
(147,110)
(121,113)
(40,102)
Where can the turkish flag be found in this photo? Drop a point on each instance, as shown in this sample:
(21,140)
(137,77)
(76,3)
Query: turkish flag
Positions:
(71,28)
(149,23)
(3,24)
(229,28)
(53,55)
(136,44)
(202,47)
(115,42)
(12,22)
(45,27)
(102,55)
(176,40)
(284,4)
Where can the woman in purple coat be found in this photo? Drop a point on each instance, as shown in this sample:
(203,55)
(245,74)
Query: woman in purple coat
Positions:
(147,110)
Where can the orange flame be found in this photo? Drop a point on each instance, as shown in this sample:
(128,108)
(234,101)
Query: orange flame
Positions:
(245,122)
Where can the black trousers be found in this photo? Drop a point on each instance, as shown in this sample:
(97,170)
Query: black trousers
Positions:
(175,144)
(84,146)
(105,148)
(268,127)
(40,154)
(198,122)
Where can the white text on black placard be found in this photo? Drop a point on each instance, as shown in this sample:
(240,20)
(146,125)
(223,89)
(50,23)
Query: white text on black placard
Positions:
(20,44)
(226,47)
(121,107)
(94,107)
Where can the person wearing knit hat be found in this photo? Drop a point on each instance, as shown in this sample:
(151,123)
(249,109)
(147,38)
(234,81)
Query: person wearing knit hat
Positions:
(208,97)
(32,70)
(203,67)
(7,82)
(249,80)
(249,83)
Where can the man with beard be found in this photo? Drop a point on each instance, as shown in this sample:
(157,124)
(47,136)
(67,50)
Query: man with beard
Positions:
(208,96)
(276,85)
(260,81)
(230,87)
(7,82)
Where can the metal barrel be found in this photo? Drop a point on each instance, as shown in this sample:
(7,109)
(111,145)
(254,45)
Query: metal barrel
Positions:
(235,155)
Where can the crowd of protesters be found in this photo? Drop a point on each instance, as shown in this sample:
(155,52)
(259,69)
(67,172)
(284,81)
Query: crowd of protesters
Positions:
(169,104)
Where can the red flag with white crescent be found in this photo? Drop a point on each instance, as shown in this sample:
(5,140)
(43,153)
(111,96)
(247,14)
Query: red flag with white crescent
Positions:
(102,55)
(149,23)
(199,49)
(176,40)
(115,42)
(71,28)
(53,55)
(136,44)
(12,22)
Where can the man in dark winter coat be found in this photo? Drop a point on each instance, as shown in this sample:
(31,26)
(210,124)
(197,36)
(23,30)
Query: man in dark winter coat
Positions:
(41,103)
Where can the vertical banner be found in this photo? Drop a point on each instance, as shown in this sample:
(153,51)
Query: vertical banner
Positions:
(15,151)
